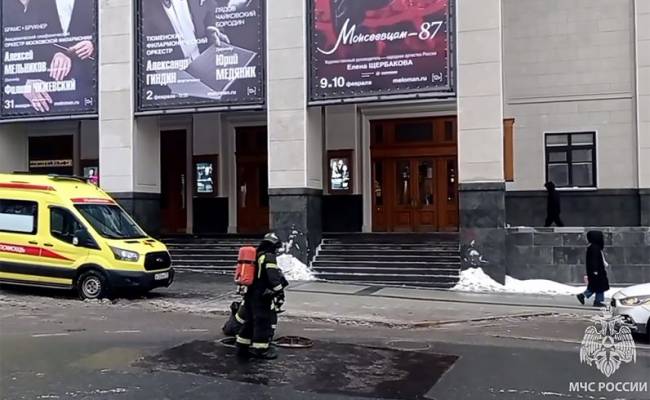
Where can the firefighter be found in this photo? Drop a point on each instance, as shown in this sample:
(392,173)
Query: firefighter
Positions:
(263,298)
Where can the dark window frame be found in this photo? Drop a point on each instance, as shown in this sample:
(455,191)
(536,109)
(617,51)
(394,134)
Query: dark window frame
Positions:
(568,150)
(35,229)
(78,221)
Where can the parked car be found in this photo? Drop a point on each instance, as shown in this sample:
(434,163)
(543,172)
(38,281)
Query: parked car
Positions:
(633,304)
(63,232)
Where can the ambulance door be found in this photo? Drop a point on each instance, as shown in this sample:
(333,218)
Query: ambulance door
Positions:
(21,261)
(60,252)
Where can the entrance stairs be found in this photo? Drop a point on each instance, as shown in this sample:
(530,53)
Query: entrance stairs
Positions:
(415,260)
(214,253)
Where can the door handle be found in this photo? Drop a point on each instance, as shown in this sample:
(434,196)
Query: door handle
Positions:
(32,242)
(183,191)
(48,245)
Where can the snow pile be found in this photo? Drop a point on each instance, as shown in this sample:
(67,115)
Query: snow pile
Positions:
(293,269)
(476,280)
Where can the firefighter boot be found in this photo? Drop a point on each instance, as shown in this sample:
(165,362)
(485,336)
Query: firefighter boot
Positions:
(269,353)
(243,350)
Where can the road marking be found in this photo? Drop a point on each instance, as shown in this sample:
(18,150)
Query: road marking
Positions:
(124,331)
(195,330)
(50,334)
(319,330)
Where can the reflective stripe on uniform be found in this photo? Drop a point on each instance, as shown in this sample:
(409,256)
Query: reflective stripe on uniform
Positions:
(260,345)
(270,265)
(260,262)
(274,327)
(240,319)
(277,288)
(241,340)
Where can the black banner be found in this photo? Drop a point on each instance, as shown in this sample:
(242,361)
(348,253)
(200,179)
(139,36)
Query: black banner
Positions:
(376,48)
(49,58)
(200,53)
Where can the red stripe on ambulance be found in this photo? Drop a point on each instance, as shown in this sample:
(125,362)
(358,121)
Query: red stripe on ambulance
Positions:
(30,251)
(85,200)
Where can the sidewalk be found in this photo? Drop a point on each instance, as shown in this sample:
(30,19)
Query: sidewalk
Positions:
(405,307)
(361,304)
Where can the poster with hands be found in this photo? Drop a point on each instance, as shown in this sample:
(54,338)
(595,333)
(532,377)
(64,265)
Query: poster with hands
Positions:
(49,58)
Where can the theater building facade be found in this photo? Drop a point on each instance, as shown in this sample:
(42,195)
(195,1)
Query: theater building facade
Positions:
(374,116)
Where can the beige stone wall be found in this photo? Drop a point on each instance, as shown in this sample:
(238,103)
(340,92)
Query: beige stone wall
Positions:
(480,95)
(569,67)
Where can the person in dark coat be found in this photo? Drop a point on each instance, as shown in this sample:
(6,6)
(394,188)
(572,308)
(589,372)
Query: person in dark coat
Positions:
(552,206)
(597,280)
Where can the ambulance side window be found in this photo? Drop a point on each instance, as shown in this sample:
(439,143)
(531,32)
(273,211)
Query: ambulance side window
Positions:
(63,224)
(18,216)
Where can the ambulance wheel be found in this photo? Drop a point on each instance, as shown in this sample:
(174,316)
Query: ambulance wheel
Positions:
(92,285)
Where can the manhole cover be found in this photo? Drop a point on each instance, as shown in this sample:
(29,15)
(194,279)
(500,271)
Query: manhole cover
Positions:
(228,341)
(294,342)
(407,345)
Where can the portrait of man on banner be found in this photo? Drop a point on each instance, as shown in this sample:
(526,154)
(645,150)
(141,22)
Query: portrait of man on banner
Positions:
(193,51)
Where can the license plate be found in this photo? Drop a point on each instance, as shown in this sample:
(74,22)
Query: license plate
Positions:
(161,276)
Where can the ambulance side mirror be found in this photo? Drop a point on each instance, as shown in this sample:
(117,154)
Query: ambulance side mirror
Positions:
(83,239)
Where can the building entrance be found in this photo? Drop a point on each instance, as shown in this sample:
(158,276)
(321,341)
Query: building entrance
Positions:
(173,183)
(252,180)
(414,172)
(51,155)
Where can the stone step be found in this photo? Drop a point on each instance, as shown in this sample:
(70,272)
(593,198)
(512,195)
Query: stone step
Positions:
(384,247)
(210,263)
(388,257)
(388,252)
(388,271)
(392,237)
(387,264)
(399,277)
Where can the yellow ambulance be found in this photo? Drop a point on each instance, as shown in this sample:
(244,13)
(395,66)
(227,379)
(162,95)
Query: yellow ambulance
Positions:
(64,232)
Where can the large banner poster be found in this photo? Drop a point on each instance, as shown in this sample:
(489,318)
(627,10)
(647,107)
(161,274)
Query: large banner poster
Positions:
(201,53)
(49,58)
(373,48)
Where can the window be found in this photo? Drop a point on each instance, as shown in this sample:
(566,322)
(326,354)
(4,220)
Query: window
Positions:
(111,221)
(17,216)
(508,150)
(63,224)
(571,159)
(408,132)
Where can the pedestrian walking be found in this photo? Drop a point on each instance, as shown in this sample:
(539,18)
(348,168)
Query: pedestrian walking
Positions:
(552,206)
(597,282)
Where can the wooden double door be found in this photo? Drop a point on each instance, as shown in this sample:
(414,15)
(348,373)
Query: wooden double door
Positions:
(415,175)
(252,180)
(415,194)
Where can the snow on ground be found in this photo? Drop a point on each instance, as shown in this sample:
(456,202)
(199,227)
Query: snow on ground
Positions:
(476,280)
(294,270)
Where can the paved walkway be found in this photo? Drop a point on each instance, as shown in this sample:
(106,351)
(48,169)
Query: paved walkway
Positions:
(416,307)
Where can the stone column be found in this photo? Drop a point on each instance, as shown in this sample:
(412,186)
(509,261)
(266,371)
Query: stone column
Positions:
(129,148)
(295,131)
(642,19)
(480,134)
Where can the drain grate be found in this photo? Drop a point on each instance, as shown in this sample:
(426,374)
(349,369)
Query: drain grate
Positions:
(294,342)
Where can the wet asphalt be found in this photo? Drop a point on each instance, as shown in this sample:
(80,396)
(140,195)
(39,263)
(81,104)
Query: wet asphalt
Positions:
(53,346)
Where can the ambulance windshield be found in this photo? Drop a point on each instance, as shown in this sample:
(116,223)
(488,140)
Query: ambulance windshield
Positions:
(110,221)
